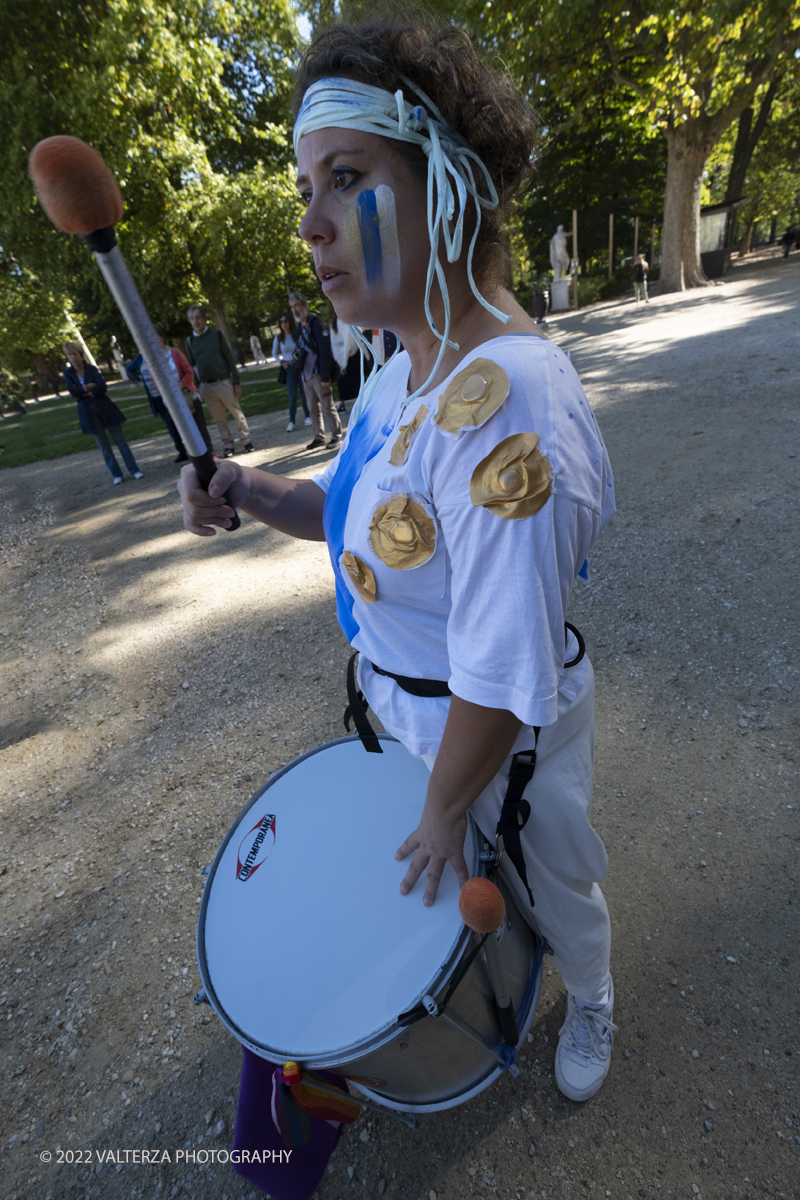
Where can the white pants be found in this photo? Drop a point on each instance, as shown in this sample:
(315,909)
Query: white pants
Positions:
(564,857)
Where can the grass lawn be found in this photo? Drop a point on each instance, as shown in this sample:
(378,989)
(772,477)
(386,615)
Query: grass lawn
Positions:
(50,429)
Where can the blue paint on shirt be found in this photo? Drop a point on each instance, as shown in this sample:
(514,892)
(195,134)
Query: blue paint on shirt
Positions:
(363,443)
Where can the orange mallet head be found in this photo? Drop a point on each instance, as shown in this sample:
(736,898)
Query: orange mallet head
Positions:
(481,905)
(75,187)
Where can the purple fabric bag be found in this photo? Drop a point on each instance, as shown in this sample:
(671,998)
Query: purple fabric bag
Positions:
(284,1178)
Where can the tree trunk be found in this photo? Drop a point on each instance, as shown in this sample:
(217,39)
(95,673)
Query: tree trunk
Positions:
(680,248)
(747,136)
(745,246)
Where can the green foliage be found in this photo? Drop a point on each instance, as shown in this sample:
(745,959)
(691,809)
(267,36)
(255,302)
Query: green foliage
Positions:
(188,105)
(32,317)
(772,178)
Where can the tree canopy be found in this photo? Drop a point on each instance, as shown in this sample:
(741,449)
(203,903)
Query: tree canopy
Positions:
(187,102)
(675,68)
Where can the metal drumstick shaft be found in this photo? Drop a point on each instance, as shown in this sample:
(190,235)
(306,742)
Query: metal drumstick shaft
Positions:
(130,304)
(505,1009)
(108,256)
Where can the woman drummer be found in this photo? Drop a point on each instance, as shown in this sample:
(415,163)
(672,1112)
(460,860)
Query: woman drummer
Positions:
(472,484)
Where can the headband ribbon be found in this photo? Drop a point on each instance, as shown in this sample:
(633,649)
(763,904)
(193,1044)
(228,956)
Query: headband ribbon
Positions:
(452,166)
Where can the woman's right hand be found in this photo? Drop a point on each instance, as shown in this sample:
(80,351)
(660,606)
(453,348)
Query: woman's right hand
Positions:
(202,509)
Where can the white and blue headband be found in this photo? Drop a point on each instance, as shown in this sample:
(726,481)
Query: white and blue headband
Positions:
(345,103)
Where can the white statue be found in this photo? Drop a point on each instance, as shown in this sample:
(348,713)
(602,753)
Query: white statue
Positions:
(559,258)
(118,359)
(255,346)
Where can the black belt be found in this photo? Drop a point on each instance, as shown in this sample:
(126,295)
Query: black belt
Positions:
(431,688)
(516,809)
(222,379)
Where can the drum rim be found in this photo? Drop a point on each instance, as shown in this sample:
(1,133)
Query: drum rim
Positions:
(342,1054)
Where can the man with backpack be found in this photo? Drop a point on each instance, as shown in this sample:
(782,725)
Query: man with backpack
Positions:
(314,356)
(210,354)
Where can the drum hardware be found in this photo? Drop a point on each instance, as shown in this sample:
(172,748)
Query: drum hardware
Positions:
(205,870)
(504,1060)
(201,998)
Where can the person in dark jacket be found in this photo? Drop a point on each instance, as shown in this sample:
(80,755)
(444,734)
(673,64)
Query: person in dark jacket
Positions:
(314,356)
(98,415)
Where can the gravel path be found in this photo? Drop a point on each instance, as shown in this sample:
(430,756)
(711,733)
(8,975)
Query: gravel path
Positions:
(151,681)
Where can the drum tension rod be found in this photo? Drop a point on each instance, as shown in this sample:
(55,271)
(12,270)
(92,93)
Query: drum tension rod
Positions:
(503,1062)
(488,855)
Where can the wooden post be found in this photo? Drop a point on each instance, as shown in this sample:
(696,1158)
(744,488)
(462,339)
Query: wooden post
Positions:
(635,239)
(610,245)
(575,256)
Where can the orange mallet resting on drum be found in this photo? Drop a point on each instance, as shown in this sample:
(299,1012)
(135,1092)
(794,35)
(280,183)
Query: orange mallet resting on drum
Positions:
(80,195)
(483,909)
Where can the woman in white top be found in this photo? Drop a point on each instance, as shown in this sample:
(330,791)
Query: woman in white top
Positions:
(283,345)
(472,483)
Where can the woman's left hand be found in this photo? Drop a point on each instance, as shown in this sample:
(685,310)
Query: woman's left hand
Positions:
(438,839)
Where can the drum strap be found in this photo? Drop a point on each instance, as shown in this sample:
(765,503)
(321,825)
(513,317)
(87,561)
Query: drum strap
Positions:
(357,710)
(516,810)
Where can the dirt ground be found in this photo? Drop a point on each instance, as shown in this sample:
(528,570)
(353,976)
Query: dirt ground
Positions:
(151,681)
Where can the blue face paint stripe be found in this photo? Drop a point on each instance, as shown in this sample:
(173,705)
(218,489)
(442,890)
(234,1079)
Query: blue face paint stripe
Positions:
(370,235)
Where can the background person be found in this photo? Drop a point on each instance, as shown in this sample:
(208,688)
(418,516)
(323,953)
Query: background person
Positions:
(639,279)
(471,487)
(346,354)
(97,414)
(259,356)
(178,363)
(210,353)
(283,348)
(313,356)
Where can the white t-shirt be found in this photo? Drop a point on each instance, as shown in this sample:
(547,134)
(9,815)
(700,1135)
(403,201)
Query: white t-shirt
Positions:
(284,351)
(486,609)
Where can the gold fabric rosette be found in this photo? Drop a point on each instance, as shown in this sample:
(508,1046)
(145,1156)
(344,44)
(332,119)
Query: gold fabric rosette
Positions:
(404,436)
(361,575)
(515,480)
(402,534)
(472,396)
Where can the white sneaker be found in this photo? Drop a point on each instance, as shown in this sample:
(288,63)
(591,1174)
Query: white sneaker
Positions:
(290,427)
(138,475)
(583,1056)
(117,479)
(307,421)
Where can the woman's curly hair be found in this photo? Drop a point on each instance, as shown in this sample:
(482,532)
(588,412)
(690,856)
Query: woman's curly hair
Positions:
(481,105)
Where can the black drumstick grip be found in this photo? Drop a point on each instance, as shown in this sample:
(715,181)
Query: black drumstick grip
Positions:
(206,468)
(508,1024)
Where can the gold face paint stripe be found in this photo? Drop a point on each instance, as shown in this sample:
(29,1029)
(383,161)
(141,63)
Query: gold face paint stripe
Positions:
(351,224)
(515,480)
(405,434)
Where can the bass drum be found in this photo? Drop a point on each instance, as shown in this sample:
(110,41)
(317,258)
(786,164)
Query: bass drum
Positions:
(307,950)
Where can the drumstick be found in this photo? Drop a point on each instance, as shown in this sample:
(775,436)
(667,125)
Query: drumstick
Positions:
(483,909)
(80,195)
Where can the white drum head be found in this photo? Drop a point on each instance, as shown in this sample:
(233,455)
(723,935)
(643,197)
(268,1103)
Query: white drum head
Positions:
(308,945)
